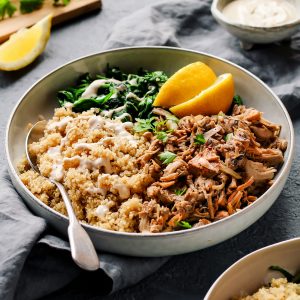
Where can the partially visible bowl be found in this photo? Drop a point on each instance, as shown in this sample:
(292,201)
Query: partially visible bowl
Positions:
(40,99)
(250,35)
(251,272)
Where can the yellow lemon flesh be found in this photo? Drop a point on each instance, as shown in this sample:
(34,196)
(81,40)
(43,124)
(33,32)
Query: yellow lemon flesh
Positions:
(25,46)
(185,84)
(217,97)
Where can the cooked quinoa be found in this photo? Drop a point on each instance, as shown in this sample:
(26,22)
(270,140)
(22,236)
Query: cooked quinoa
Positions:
(96,160)
(280,289)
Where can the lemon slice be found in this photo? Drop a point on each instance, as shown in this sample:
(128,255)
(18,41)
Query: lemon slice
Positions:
(185,84)
(25,46)
(217,97)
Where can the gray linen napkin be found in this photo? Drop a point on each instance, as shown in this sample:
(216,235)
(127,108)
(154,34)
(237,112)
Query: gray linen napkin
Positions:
(49,266)
(35,262)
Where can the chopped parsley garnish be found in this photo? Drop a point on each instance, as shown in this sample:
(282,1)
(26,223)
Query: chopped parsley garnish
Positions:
(228,136)
(180,192)
(184,224)
(144,125)
(27,6)
(162,136)
(237,100)
(157,127)
(167,157)
(199,139)
(6,8)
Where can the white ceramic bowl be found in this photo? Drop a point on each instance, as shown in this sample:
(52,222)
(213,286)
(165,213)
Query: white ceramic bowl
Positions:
(41,99)
(255,35)
(251,272)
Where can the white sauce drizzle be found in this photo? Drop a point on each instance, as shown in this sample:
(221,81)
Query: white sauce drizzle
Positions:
(261,13)
(109,113)
(60,125)
(92,89)
(96,190)
(89,164)
(57,171)
(123,190)
(102,210)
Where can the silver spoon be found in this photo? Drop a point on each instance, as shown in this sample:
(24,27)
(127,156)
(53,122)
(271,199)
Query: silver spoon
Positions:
(82,249)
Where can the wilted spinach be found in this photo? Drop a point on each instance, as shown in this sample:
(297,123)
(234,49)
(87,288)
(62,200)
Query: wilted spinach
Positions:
(133,95)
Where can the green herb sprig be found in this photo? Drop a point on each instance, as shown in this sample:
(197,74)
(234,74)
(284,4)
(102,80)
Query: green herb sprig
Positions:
(6,9)
(199,139)
(180,192)
(167,157)
(238,100)
(184,224)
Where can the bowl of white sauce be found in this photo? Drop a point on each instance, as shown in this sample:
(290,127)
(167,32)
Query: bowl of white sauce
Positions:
(258,21)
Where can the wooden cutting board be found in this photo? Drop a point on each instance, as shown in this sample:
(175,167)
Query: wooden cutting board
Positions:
(60,14)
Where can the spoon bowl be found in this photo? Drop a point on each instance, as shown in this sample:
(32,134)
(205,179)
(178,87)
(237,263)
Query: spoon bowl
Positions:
(82,249)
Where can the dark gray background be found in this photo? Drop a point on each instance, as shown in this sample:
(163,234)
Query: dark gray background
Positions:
(186,276)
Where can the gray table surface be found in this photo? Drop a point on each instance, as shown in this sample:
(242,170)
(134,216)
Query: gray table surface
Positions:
(186,276)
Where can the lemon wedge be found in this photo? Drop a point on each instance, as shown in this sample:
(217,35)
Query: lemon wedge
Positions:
(24,46)
(217,97)
(185,84)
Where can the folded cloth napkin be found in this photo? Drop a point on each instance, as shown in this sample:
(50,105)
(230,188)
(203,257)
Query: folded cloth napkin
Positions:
(49,266)
(34,261)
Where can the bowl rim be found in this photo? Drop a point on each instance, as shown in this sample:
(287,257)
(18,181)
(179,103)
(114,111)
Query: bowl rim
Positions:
(284,168)
(245,257)
(220,16)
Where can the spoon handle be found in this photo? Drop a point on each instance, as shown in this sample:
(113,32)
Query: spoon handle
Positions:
(82,249)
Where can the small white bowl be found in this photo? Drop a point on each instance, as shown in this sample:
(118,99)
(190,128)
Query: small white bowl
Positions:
(250,35)
(251,272)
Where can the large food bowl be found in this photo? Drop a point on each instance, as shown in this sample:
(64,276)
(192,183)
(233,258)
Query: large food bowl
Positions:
(40,99)
(252,271)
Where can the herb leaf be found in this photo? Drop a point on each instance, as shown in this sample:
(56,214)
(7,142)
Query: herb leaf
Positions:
(6,8)
(167,157)
(228,137)
(237,100)
(27,6)
(199,139)
(184,224)
(144,125)
(180,192)
(163,136)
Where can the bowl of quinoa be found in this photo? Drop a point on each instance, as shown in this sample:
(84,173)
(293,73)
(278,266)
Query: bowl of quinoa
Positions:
(271,272)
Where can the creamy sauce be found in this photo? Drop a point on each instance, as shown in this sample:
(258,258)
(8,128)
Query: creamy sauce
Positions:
(132,95)
(60,125)
(109,113)
(96,190)
(84,163)
(260,13)
(102,210)
(122,189)
(57,171)
(92,89)
(95,122)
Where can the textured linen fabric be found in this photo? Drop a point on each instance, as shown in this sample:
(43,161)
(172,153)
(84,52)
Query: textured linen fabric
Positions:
(35,261)
(49,266)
